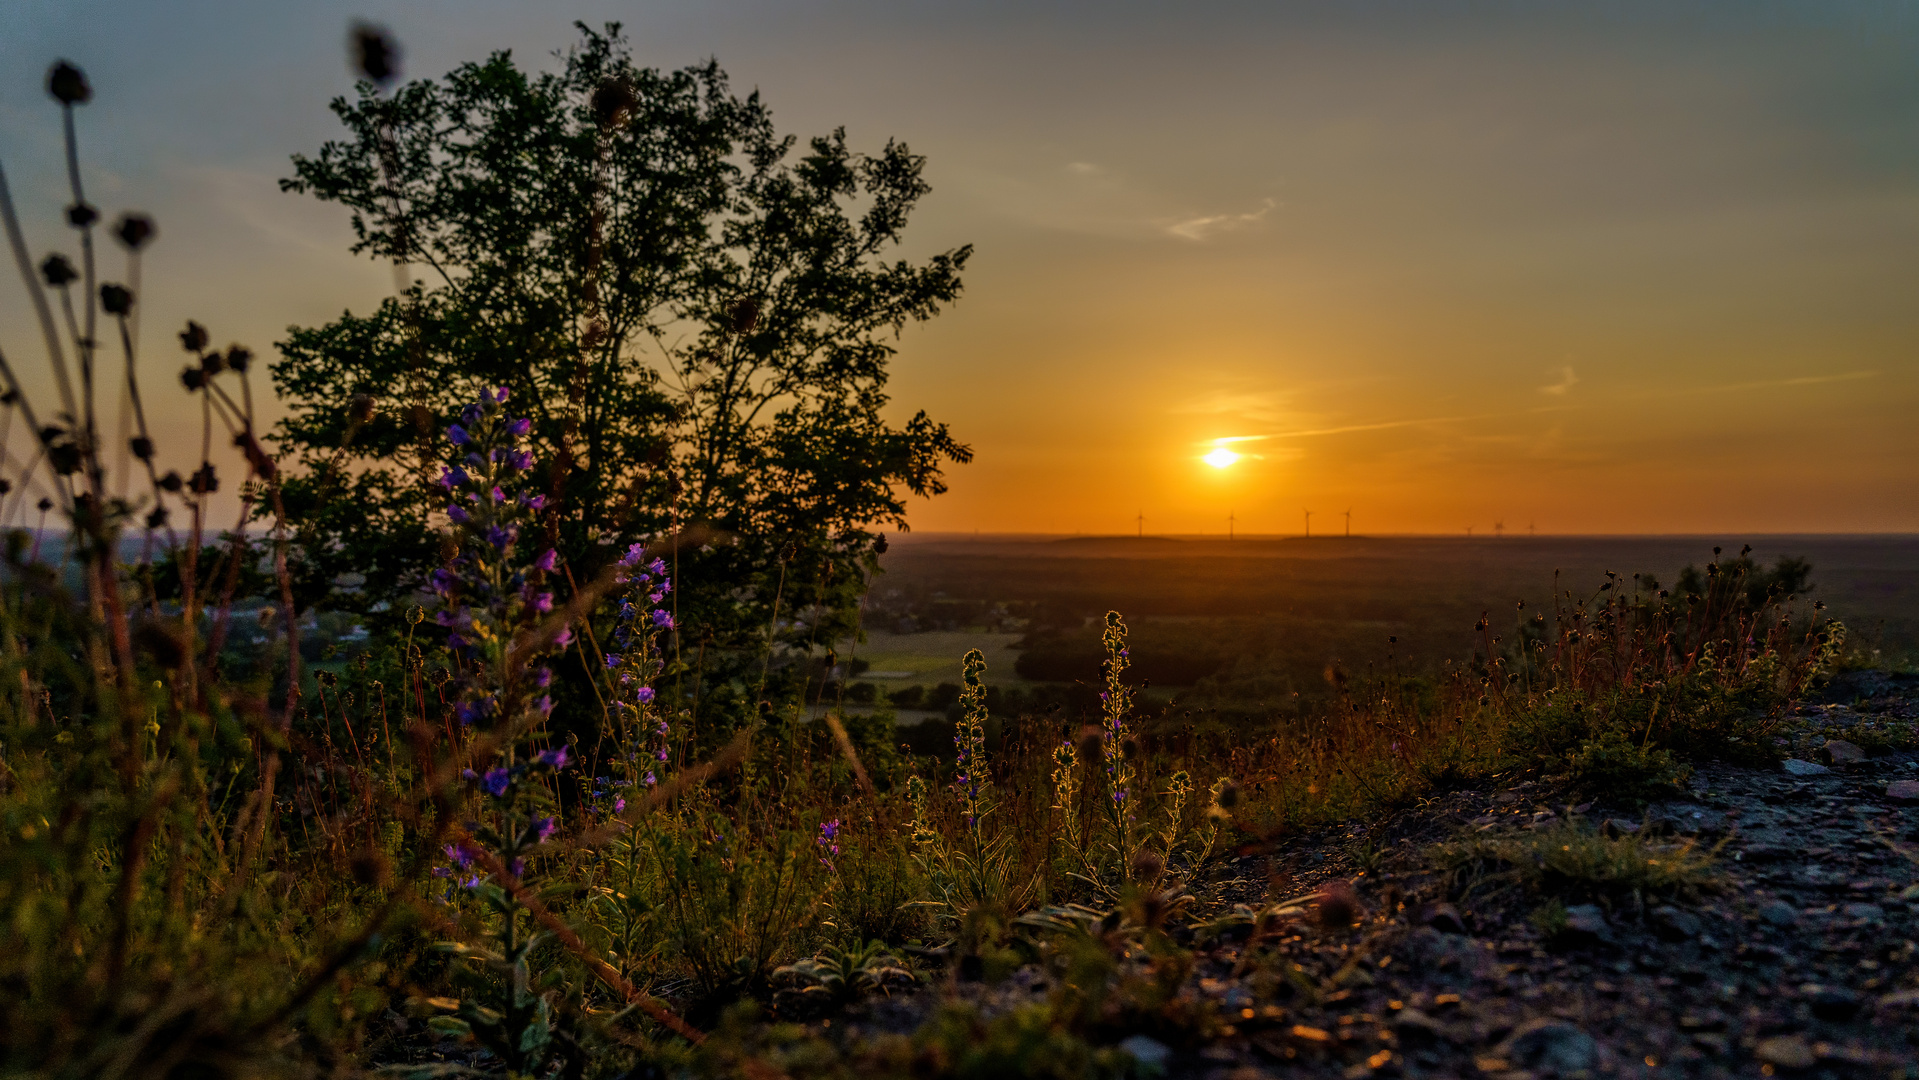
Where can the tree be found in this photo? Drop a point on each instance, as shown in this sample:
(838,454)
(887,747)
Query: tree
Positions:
(698,319)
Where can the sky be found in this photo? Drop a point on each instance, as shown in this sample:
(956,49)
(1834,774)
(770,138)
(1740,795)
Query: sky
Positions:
(1581,268)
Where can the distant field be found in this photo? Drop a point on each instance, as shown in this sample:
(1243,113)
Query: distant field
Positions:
(1269,615)
(934,657)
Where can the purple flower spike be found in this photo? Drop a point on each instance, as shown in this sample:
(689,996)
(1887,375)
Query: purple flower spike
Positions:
(500,395)
(495,780)
(457,435)
(620,804)
(548,826)
(555,757)
(543,603)
(663,620)
(457,513)
(498,495)
(519,429)
(537,502)
(646,695)
(548,561)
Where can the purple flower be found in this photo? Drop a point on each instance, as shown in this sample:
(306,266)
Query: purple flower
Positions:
(545,705)
(519,428)
(555,757)
(620,804)
(495,780)
(451,478)
(457,435)
(657,567)
(650,780)
(519,867)
(498,495)
(663,620)
(612,660)
(548,561)
(548,826)
(471,883)
(461,857)
(537,502)
(563,638)
(499,537)
(520,459)
(645,695)
(457,513)
(543,677)
(543,603)
(498,396)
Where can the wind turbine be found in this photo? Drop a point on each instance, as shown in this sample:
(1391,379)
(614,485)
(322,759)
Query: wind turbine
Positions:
(1142,524)
(1229,524)
(1499,529)
(1349,523)
(1309,524)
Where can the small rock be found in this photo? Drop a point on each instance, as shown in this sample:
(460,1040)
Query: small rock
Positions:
(1586,923)
(1614,828)
(1442,917)
(1505,798)
(1867,912)
(1843,752)
(1905,791)
(1416,1027)
(1151,1054)
(1675,925)
(1780,914)
(1803,768)
(1785,1052)
(1831,1002)
(1551,1046)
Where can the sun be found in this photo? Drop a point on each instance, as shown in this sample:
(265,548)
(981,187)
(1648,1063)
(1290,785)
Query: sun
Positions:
(1220,458)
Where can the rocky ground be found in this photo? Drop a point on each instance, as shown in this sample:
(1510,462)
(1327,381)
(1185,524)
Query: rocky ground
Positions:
(1799,958)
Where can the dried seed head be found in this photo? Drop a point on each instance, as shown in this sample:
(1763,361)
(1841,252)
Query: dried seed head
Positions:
(613,102)
(156,517)
(10,396)
(213,363)
(116,299)
(45,504)
(192,378)
(56,271)
(64,457)
(171,482)
(1147,866)
(135,231)
(68,84)
(1338,905)
(238,357)
(1229,796)
(194,337)
(80,215)
(1092,746)
(879,544)
(142,447)
(374,53)
(204,482)
(6,485)
(1129,748)
(360,409)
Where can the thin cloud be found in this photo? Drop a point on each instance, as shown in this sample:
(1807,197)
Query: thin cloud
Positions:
(1200,228)
(1385,425)
(1567,380)
(1769,384)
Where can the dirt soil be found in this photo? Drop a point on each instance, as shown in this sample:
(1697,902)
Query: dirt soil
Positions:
(1801,961)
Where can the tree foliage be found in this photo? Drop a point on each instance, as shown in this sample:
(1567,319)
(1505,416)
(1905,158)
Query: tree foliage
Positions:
(697,314)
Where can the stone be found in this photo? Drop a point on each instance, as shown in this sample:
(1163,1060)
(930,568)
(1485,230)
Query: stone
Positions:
(1866,912)
(1442,917)
(1803,768)
(1831,1002)
(1151,1054)
(1674,924)
(1414,1026)
(1785,1052)
(1614,828)
(1905,791)
(1843,752)
(1553,1047)
(1586,925)
(1780,914)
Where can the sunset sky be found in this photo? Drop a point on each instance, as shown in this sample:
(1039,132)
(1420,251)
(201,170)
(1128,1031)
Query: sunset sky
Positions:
(1603,267)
